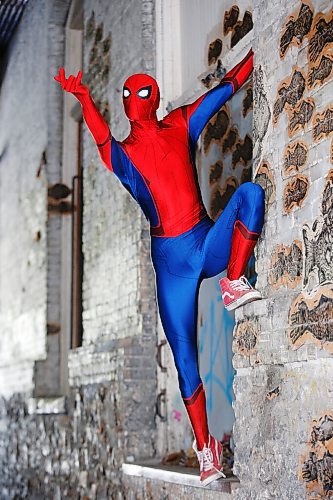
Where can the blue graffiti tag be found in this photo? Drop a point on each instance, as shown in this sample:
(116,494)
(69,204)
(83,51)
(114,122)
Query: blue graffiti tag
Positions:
(220,353)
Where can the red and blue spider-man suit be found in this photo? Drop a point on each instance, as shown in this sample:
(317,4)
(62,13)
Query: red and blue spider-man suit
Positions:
(156,164)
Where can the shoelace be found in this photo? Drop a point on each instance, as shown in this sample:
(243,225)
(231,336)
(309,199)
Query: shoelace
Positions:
(240,284)
(206,461)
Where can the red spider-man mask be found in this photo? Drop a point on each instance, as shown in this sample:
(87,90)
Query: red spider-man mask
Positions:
(141,97)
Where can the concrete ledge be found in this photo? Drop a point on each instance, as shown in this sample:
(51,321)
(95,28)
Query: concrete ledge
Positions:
(184,476)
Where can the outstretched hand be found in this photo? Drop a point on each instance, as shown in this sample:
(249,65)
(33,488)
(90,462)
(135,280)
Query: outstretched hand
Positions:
(72,84)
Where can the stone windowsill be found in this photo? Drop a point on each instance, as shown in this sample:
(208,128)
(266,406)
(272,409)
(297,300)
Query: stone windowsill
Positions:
(154,470)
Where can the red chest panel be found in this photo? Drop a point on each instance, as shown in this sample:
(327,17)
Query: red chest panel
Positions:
(161,154)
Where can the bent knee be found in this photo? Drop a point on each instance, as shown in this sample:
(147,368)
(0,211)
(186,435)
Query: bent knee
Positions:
(253,191)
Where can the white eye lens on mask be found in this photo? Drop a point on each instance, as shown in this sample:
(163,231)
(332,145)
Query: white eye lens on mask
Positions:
(143,93)
(126,93)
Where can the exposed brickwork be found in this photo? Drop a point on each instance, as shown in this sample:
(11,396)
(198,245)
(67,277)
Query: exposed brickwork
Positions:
(73,454)
(286,382)
(317,464)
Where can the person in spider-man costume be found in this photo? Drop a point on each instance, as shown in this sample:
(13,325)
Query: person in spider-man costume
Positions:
(156,164)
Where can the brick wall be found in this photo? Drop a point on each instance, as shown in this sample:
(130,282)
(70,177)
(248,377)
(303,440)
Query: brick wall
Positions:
(63,447)
(23,181)
(283,343)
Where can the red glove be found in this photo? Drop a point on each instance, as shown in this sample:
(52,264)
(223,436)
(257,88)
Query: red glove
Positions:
(240,73)
(93,118)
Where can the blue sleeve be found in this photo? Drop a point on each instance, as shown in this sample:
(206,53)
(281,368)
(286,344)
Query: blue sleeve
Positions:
(120,165)
(202,110)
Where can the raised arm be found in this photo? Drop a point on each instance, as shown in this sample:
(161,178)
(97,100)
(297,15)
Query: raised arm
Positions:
(204,108)
(95,122)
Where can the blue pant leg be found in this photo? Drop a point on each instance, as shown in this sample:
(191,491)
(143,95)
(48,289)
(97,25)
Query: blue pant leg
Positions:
(178,306)
(247,205)
(251,206)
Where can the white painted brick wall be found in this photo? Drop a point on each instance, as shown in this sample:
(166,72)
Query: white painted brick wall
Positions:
(23,138)
(112,220)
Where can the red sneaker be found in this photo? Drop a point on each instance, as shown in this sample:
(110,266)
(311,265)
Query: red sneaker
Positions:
(236,293)
(210,461)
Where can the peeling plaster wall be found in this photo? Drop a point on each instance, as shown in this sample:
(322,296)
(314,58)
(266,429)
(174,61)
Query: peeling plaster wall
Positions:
(283,344)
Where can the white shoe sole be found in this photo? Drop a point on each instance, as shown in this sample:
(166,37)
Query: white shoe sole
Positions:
(213,477)
(245,299)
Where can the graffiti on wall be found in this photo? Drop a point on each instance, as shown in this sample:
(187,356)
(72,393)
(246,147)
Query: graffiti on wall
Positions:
(248,101)
(230,19)
(307,319)
(314,304)
(317,464)
(242,151)
(230,140)
(265,178)
(220,196)
(220,131)
(286,265)
(215,336)
(216,73)
(245,336)
(294,193)
(323,124)
(316,301)
(215,172)
(214,51)
(295,157)
(300,116)
(290,91)
(292,99)
(237,27)
(321,36)
(318,242)
(318,75)
(296,27)
(216,128)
